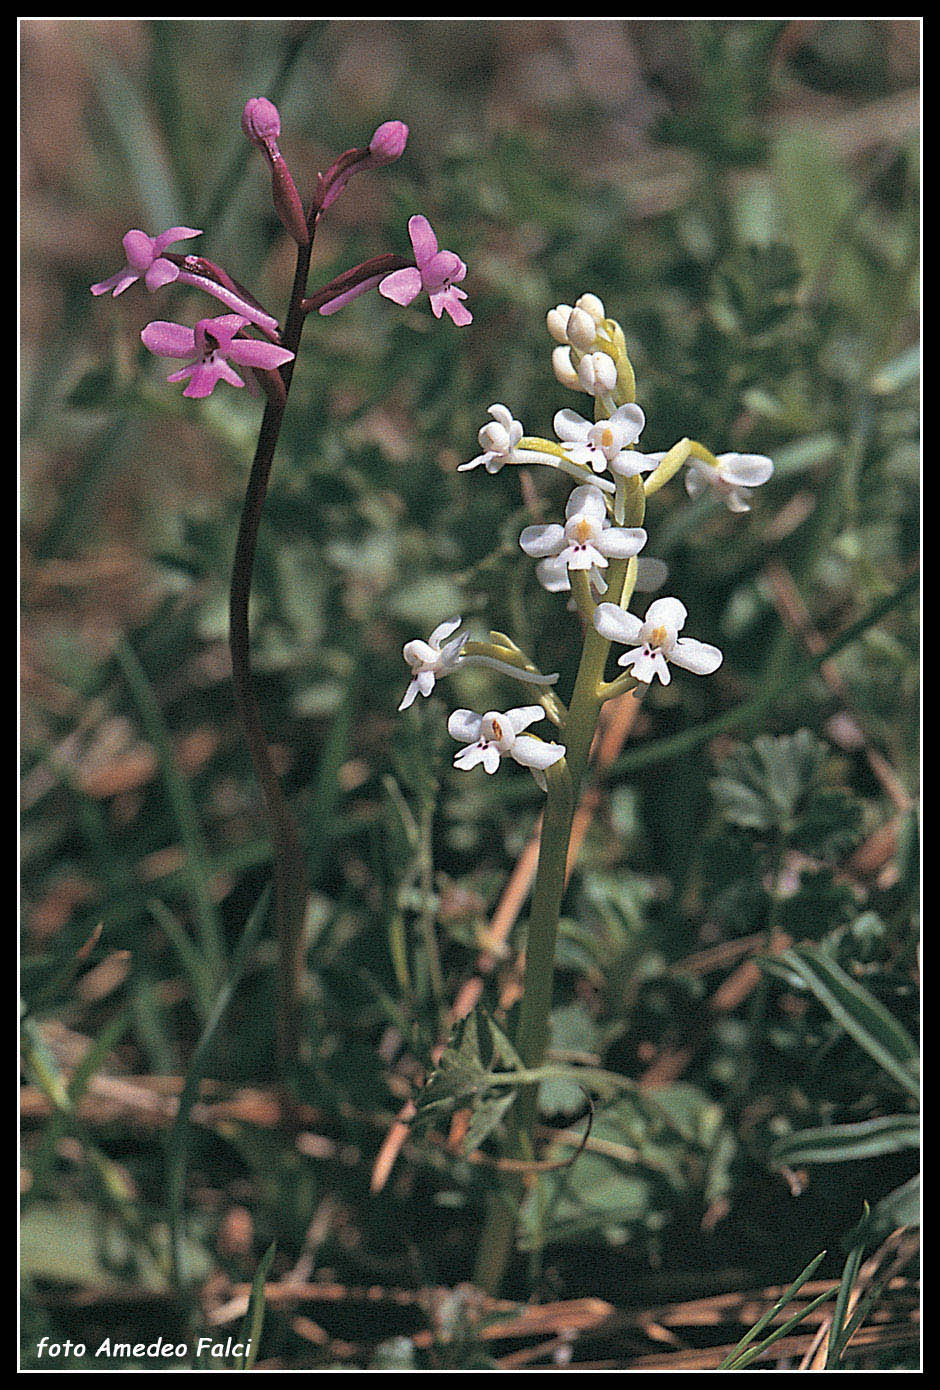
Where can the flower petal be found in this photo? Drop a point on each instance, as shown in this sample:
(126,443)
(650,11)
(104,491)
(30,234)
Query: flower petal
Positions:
(570,426)
(698,657)
(172,234)
(667,612)
(443,631)
(521,718)
(621,542)
(169,339)
(543,539)
(464,724)
(423,240)
(533,752)
(250,352)
(402,286)
(612,622)
(746,470)
(162,272)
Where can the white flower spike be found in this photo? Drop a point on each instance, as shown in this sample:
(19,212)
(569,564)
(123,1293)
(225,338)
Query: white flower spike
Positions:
(606,444)
(657,641)
(498,439)
(431,660)
(490,737)
(732,480)
(587,540)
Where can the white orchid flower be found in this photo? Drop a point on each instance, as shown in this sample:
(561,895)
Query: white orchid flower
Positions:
(587,540)
(605,444)
(657,641)
(431,660)
(490,737)
(732,480)
(498,439)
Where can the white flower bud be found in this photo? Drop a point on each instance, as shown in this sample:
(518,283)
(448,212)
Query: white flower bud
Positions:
(494,436)
(592,305)
(597,373)
(581,330)
(557,321)
(564,371)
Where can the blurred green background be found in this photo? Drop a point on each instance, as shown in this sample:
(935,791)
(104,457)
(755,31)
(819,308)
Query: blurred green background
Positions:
(744,198)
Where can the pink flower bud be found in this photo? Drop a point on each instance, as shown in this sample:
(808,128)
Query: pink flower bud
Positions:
(388,143)
(261,121)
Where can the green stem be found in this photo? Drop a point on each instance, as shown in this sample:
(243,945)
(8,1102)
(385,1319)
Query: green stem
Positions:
(532,1031)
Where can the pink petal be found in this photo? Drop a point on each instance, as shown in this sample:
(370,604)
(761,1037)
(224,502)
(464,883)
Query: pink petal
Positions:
(162,272)
(450,300)
(167,238)
(205,376)
(402,286)
(446,265)
(169,339)
(119,282)
(422,239)
(138,248)
(249,352)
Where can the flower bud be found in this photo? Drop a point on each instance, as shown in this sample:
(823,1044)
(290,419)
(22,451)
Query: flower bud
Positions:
(564,371)
(581,330)
(388,143)
(556,321)
(597,373)
(591,305)
(494,436)
(261,121)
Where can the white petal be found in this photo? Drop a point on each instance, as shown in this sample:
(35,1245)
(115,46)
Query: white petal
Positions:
(491,757)
(698,657)
(570,426)
(642,667)
(631,418)
(736,500)
(474,753)
(613,623)
(661,667)
(543,540)
(474,463)
(464,724)
(521,718)
(746,470)
(667,612)
(622,542)
(501,413)
(418,652)
(411,694)
(588,502)
(425,681)
(443,631)
(532,752)
(552,574)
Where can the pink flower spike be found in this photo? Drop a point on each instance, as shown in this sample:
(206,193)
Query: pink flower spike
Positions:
(145,258)
(210,350)
(436,272)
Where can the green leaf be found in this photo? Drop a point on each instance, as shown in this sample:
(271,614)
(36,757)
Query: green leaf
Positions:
(254,1318)
(862,1016)
(842,1143)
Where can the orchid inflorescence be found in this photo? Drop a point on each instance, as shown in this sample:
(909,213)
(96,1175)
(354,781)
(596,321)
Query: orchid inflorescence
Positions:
(215,344)
(248,346)
(593,555)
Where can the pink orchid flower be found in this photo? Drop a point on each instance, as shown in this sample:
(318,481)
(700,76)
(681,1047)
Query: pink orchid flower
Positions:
(436,272)
(210,349)
(145,258)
